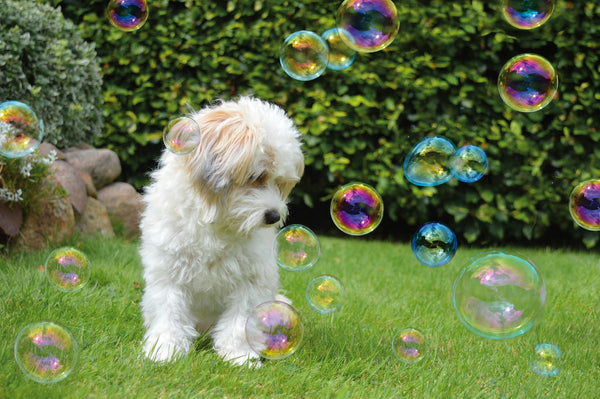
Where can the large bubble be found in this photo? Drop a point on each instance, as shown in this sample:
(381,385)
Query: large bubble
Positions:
(68,269)
(499,295)
(127,15)
(181,135)
(356,209)
(296,248)
(584,204)
(21,131)
(429,162)
(409,345)
(527,14)
(304,55)
(434,244)
(469,163)
(325,294)
(340,55)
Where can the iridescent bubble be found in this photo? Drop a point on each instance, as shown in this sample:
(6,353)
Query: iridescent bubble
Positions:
(20,129)
(46,352)
(527,83)
(499,295)
(409,345)
(304,55)
(296,248)
(469,163)
(434,244)
(584,204)
(325,294)
(274,330)
(428,163)
(527,14)
(181,135)
(368,25)
(127,15)
(546,360)
(68,269)
(356,209)
(340,55)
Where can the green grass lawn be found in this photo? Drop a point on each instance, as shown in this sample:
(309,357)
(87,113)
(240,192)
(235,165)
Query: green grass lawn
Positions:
(347,354)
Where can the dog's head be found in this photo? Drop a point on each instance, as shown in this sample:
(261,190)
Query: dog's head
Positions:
(247,162)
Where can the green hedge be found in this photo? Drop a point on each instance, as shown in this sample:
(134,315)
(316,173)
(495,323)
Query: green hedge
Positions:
(45,63)
(437,78)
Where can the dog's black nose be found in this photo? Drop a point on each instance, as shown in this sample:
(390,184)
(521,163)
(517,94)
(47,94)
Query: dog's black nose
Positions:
(272,216)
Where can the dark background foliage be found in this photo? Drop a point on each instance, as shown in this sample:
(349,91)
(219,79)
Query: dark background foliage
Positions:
(437,78)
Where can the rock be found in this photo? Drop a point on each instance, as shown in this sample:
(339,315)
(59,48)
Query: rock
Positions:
(89,184)
(103,164)
(49,224)
(11,218)
(45,149)
(94,220)
(68,177)
(124,206)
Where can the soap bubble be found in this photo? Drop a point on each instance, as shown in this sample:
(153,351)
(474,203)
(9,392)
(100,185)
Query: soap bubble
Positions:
(181,135)
(469,163)
(274,330)
(527,14)
(20,129)
(296,248)
(584,204)
(546,360)
(499,295)
(340,55)
(409,345)
(356,209)
(68,269)
(434,244)
(527,83)
(368,25)
(46,352)
(304,55)
(127,15)
(325,294)
(428,163)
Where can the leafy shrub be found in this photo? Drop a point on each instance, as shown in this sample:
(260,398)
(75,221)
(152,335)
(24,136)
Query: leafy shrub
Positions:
(45,63)
(437,78)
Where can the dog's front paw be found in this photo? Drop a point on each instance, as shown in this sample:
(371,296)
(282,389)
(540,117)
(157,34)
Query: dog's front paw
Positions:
(160,349)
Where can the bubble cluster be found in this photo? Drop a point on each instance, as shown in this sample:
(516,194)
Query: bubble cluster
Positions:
(340,55)
(546,360)
(499,295)
(469,163)
(368,25)
(409,345)
(527,14)
(325,294)
(428,163)
(20,129)
(304,55)
(46,352)
(274,330)
(296,248)
(527,83)
(181,135)
(127,15)
(68,269)
(356,209)
(584,204)
(434,244)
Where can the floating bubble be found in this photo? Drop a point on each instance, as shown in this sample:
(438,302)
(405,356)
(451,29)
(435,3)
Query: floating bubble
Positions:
(296,248)
(181,135)
(469,163)
(46,352)
(304,55)
(68,269)
(499,295)
(325,294)
(527,83)
(546,360)
(368,25)
(356,209)
(20,129)
(584,204)
(428,163)
(340,55)
(434,244)
(409,345)
(527,14)
(127,15)
(274,330)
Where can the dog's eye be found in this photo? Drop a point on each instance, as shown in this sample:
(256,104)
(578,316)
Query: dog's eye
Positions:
(260,179)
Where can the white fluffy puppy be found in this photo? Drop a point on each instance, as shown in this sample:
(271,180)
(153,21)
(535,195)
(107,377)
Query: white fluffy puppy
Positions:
(209,225)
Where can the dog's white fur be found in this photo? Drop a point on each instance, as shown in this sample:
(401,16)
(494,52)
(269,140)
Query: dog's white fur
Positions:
(209,225)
